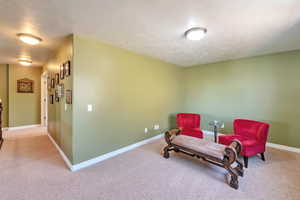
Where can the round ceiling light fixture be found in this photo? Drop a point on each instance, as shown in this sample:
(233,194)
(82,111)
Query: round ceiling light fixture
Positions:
(196,33)
(25,61)
(29,39)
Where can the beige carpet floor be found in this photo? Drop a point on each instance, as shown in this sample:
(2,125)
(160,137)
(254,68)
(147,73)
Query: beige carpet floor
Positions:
(31,169)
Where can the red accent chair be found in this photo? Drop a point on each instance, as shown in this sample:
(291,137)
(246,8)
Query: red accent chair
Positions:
(253,136)
(189,124)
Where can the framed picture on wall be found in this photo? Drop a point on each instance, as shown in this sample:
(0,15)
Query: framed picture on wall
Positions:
(68,96)
(25,85)
(49,82)
(57,78)
(52,83)
(56,96)
(68,68)
(60,90)
(62,72)
(51,99)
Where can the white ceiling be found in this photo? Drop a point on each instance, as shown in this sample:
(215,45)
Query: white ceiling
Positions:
(236,28)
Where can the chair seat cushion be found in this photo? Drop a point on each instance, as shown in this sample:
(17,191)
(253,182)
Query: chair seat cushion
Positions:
(194,132)
(200,145)
(250,146)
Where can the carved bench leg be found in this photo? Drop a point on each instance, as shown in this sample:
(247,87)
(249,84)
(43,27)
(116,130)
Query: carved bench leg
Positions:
(234,183)
(239,168)
(166,152)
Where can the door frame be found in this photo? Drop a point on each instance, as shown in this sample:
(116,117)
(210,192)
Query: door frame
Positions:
(44,99)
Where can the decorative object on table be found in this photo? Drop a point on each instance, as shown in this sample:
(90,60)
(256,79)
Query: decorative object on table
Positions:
(217,154)
(189,124)
(56,96)
(62,72)
(67,68)
(216,124)
(253,136)
(56,78)
(51,99)
(25,85)
(60,90)
(68,96)
(52,83)
(1,136)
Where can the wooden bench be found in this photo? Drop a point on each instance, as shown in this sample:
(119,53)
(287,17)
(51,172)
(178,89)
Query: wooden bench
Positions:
(217,154)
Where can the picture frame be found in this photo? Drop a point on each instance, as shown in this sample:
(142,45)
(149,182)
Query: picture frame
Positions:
(25,85)
(56,78)
(67,67)
(49,83)
(51,99)
(68,96)
(52,83)
(56,96)
(62,72)
(60,90)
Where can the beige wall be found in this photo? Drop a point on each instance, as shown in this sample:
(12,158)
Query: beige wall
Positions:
(4,93)
(59,119)
(24,108)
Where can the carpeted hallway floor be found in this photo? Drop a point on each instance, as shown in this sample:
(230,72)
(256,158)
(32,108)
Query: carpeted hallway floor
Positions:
(31,169)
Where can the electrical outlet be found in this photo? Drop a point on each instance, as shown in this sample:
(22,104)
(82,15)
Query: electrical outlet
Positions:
(156,126)
(90,107)
(146,130)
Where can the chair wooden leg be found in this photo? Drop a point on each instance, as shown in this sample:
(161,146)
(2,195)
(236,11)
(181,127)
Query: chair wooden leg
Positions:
(246,161)
(263,156)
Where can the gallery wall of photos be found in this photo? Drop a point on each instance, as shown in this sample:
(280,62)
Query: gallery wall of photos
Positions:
(57,90)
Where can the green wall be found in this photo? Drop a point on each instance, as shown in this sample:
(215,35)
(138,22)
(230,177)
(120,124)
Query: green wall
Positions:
(128,91)
(4,93)
(24,108)
(59,119)
(264,88)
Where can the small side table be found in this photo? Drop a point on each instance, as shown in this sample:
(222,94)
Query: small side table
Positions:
(216,124)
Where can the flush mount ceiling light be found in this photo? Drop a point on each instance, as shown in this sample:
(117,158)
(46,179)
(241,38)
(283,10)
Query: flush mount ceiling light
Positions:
(25,61)
(196,33)
(29,39)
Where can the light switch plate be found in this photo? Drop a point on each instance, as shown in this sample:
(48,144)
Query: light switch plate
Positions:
(90,107)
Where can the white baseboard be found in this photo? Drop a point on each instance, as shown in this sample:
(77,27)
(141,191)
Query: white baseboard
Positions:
(63,155)
(102,157)
(283,147)
(276,146)
(21,127)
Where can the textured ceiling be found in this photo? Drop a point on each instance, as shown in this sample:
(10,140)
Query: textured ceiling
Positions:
(236,28)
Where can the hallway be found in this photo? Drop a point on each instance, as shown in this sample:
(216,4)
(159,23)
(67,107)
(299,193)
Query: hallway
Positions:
(30,162)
